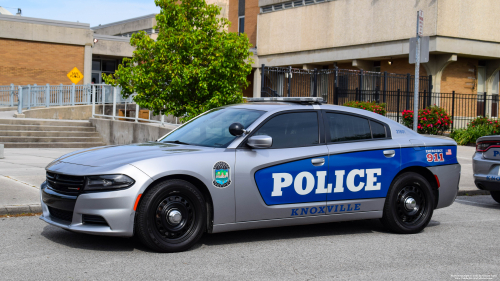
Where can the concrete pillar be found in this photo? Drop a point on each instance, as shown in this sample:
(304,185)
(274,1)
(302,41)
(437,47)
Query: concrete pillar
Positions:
(365,65)
(436,66)
(256,83)
(87,64)
(309,66)
(492,77)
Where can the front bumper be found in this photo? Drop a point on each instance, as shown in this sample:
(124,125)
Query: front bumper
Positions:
(114,208)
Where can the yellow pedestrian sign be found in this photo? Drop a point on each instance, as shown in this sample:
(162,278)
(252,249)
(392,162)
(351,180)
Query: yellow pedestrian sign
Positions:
(75,75)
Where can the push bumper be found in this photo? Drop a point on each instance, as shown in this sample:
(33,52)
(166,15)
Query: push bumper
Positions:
(449,178)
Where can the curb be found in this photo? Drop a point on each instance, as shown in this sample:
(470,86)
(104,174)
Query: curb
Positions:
(20,209)
(472,192)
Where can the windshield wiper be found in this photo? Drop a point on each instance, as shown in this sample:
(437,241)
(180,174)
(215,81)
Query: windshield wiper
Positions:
(177,142)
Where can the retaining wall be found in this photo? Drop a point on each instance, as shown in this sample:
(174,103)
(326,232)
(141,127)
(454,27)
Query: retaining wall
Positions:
(116,132)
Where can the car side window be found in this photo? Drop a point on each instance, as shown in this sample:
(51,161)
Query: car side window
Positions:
(343,127)
(378,130)
(297,129)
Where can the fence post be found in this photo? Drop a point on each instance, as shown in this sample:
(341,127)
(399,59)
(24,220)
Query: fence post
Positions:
(398,99)
(73,94)
(29,97)
(11,94)
(20,100)
(336,86)
(315,89)
(361,78)
(356,94)
(47,95)
(114,103)
(408,77)
(61,94)
(261,80)
(430,90)
(136,112)
(484,104)
(93,100)
(452,109)
(289,79)
(424,100)
(385,87)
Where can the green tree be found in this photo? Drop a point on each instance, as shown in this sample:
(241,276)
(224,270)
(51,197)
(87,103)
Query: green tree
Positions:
(193,66)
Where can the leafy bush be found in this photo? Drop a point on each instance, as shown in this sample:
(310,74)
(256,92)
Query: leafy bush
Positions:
(478,127)
(433,120)
(479,121)
(472,133)
(378,108)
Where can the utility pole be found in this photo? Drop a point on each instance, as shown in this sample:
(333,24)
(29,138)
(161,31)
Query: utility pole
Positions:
(420,25)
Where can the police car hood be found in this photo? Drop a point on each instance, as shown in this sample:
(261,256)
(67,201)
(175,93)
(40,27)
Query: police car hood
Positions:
(126,154)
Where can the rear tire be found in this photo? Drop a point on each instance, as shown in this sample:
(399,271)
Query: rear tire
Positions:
(409,204)
(171,216)
(495,195)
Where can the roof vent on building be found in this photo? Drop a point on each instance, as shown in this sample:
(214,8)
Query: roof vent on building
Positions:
(19,12)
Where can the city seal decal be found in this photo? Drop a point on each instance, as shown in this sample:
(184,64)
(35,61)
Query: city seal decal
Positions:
(221,175)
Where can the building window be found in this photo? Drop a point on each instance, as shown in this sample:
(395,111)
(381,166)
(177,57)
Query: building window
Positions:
(241,16)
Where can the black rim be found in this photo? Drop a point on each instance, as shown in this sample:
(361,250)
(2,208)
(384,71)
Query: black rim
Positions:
(175,231)
(411,205)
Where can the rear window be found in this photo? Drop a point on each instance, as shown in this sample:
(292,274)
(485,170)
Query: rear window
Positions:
(345,127)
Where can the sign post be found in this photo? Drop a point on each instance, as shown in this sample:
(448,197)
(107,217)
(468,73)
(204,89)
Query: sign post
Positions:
(420,25)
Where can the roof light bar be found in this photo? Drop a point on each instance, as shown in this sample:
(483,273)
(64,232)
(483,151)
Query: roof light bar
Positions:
(287,99)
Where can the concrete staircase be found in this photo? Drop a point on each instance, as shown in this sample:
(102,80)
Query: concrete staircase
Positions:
(29,133)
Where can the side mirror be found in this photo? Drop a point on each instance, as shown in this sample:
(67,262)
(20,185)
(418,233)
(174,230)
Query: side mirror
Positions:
(261,141)
(236,129)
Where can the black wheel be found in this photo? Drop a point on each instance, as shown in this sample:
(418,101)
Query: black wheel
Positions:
(171,216)
(495,195)
(409,204)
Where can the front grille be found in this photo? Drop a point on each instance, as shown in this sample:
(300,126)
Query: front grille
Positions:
(92,219)
(65,184)
(61,214)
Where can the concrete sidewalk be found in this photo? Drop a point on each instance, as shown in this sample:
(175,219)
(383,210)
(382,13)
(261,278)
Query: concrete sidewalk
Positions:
(23,170)
(21,173)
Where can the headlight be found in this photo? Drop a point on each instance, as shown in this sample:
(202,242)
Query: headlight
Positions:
(107,182)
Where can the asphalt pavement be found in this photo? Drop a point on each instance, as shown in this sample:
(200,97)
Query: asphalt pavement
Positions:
(459,243)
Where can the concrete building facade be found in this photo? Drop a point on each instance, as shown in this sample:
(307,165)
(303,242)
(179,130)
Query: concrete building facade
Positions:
(374,35)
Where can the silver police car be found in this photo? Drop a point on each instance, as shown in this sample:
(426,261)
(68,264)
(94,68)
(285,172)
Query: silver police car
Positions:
(270,162)
(486,165)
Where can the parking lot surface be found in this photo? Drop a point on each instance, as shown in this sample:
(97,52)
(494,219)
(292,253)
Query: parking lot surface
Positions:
(460,240)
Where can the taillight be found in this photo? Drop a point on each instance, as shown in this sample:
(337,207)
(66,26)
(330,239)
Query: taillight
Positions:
(483,146)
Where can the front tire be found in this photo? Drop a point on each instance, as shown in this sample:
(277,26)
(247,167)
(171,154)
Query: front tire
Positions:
(171,216)
(495,195)
(409,204)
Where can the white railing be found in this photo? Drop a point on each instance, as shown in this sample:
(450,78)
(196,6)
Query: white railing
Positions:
(109,103)
(106,101)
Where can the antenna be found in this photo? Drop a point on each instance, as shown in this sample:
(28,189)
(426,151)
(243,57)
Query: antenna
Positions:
(19,12)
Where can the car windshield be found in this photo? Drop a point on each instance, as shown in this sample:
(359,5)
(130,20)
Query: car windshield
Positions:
(212,129)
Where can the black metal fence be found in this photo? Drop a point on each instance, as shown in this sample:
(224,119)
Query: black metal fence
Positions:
(338,86)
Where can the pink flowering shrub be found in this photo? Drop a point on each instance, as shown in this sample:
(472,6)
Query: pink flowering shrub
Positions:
(433,120)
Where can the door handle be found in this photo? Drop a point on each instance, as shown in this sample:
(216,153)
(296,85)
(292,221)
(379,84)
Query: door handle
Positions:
(389,153)
(318,161)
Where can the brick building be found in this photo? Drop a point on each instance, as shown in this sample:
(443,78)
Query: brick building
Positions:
(374,36)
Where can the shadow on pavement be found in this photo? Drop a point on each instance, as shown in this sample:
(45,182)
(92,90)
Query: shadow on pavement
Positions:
(91,242)
(106,243)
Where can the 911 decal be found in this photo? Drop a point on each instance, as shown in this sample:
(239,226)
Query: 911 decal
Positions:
(434,155)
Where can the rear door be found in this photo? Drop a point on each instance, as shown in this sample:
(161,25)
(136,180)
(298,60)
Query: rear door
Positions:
(364,160)
(287,179)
